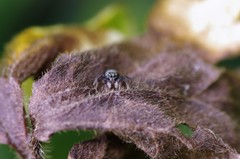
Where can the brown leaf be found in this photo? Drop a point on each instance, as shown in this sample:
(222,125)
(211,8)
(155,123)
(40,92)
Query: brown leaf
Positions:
(94,149)
(227,88)
(224,95)
(106,146)
(74,75)
(39,56)
(147,114)
(12,126)
(184,69)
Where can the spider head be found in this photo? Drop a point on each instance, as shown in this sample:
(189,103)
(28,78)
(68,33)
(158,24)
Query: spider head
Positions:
(111,74)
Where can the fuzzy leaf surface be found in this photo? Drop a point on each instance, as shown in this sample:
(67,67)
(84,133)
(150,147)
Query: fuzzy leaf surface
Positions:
(12,126)
(160,98)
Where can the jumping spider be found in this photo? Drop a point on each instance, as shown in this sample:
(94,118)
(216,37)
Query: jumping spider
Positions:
(112,80)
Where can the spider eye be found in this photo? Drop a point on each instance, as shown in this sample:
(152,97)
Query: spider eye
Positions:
(111,73)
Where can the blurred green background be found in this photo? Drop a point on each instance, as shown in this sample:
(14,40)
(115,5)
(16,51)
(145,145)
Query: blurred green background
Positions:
(16,15)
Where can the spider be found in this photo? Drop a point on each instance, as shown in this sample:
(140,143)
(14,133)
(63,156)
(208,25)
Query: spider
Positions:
(112,80)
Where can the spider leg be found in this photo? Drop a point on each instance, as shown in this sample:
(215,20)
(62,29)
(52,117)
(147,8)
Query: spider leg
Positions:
(117,85)
(98,80)
(123,82)
(127,81)
(109,85)
(127,85)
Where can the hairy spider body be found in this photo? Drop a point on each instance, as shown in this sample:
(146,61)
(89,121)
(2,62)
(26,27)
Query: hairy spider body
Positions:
(112,80)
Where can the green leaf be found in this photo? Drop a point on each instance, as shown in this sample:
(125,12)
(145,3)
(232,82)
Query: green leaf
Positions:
(185,130)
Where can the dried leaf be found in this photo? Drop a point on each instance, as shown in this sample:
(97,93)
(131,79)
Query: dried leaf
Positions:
(161,96)
(12,126)
(105,146)
(224,95)
(184,69)
(89,150)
